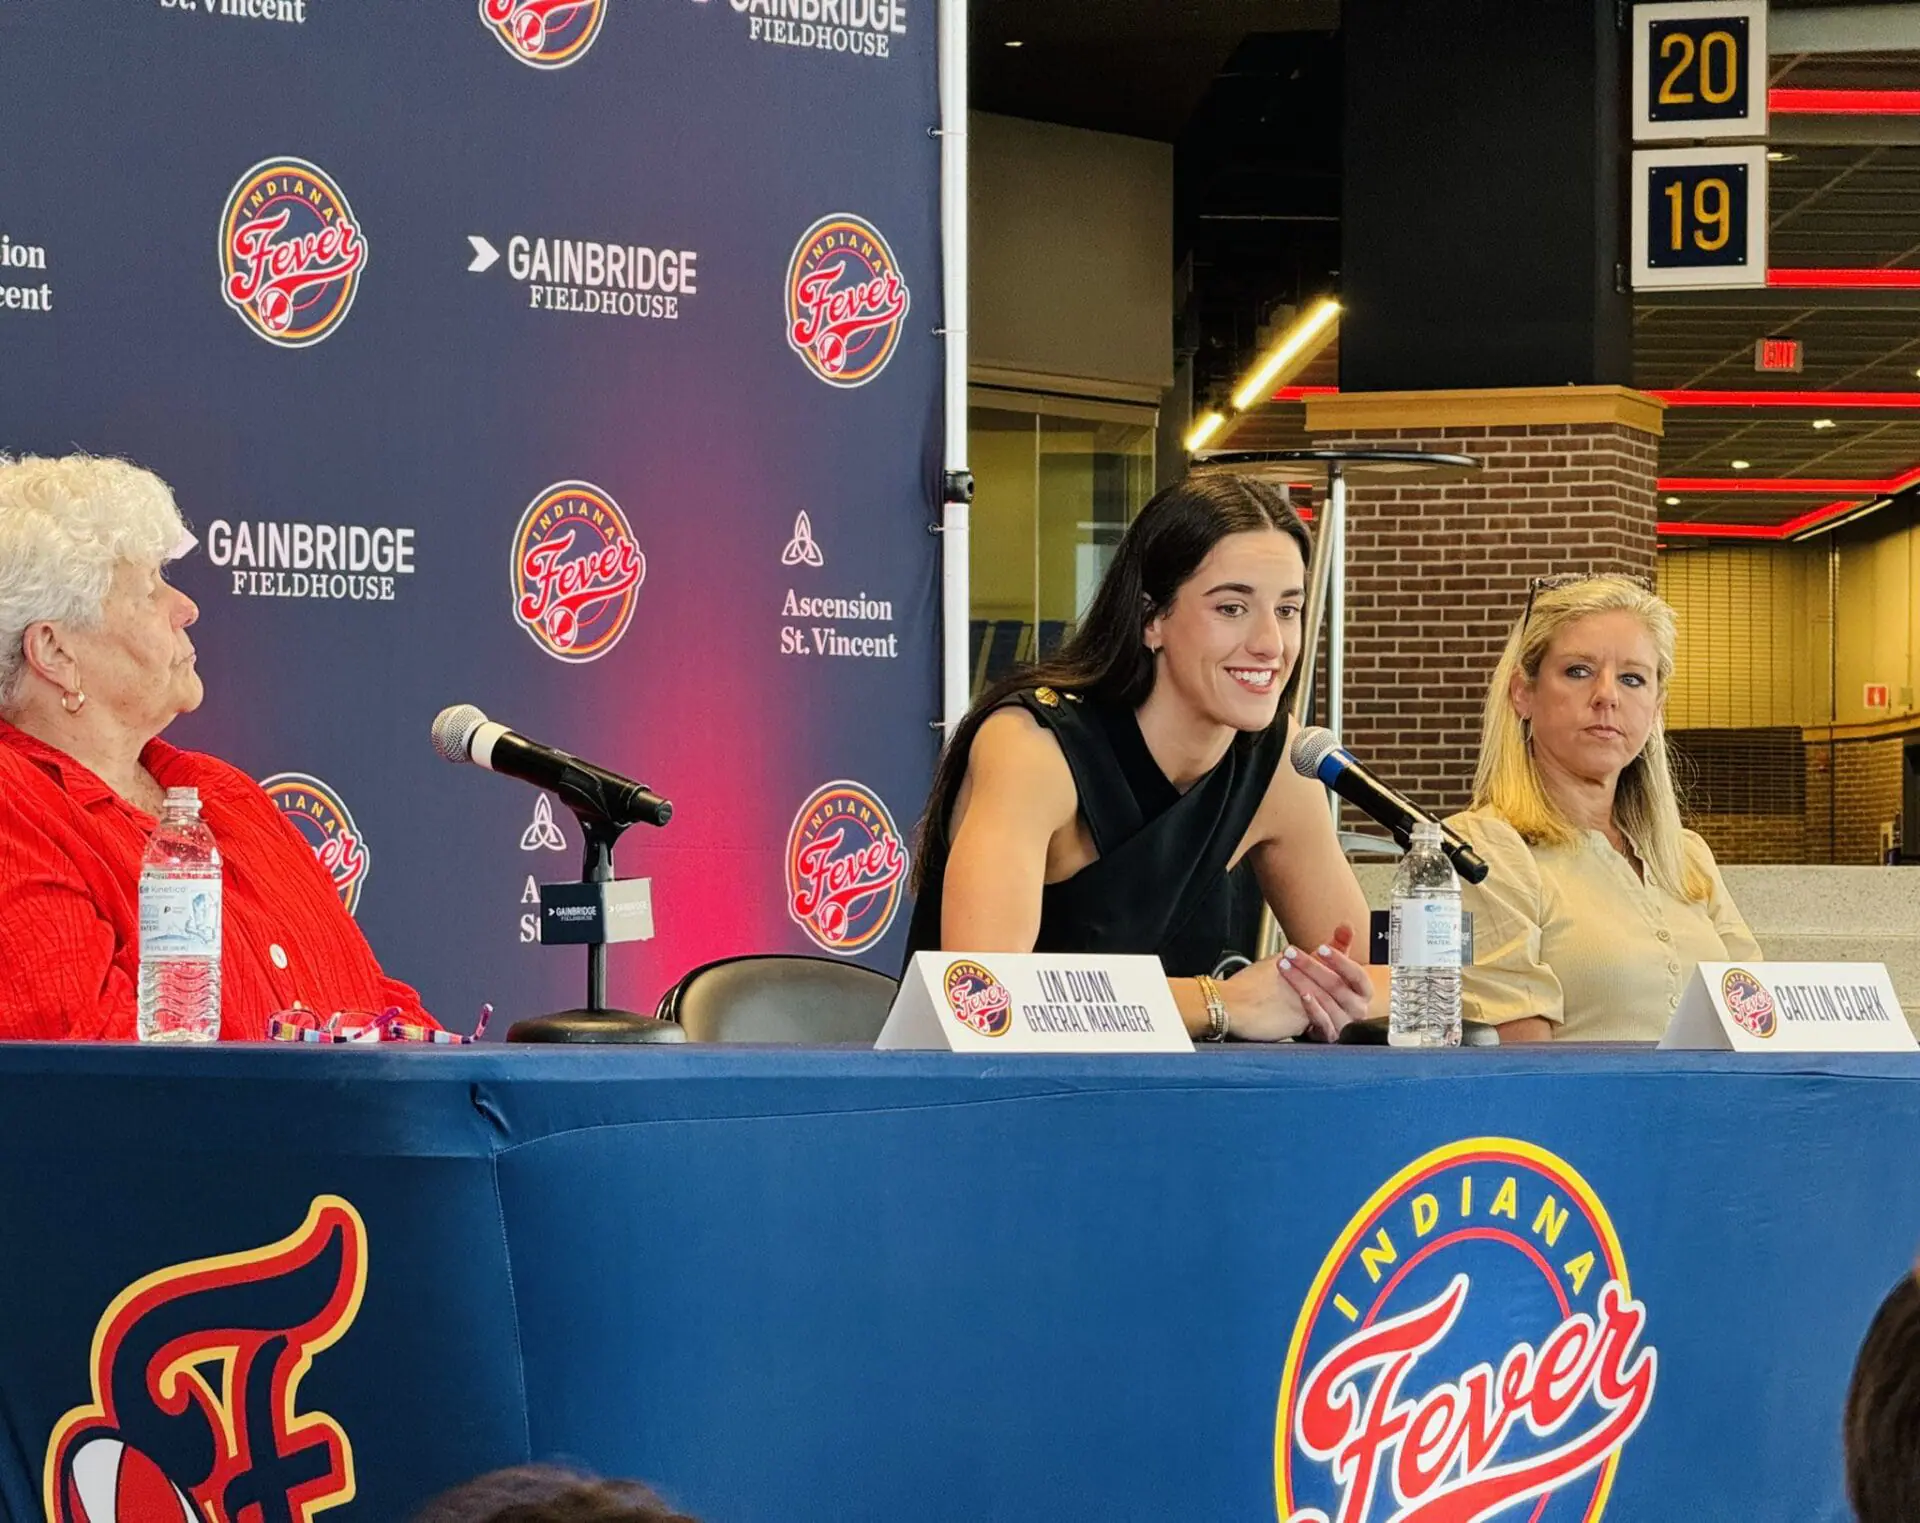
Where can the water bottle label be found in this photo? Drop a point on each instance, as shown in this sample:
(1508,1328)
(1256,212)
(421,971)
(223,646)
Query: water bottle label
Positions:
(1424,933)
(179,918)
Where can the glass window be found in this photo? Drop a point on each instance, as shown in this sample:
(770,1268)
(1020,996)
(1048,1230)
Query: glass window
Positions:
(1056,482)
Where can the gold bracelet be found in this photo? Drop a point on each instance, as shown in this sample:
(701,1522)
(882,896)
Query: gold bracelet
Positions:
(1218,1025)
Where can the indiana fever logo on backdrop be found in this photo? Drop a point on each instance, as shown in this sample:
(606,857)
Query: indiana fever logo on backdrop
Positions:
(846,868)
(195,1415)
(321,817)
(846,300)
(291,252)
(547,34)
(1470,1343)
(577,571)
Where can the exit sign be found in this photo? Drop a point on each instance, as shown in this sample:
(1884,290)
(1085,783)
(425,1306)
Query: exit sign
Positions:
(1777,354)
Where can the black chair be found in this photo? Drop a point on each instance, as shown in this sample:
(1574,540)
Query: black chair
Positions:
(784,1001)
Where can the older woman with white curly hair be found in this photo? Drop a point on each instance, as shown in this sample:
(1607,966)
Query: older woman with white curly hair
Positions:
(95,662)
(1598,905)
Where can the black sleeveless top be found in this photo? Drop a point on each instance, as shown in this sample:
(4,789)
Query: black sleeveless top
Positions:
(1160,883)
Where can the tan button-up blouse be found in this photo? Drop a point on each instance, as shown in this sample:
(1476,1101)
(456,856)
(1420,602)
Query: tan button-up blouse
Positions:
(1573,934)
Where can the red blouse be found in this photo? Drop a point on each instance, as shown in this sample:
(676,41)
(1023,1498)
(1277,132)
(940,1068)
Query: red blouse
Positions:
(70,850)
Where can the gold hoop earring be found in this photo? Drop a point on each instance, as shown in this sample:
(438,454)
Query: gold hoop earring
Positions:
(77,703)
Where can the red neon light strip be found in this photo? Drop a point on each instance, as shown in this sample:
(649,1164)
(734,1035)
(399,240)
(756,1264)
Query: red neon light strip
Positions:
(1901,400)
(1300,393)
(1721,531)
(1844,102)
(1844,280)
(1786,530)
(1827,484)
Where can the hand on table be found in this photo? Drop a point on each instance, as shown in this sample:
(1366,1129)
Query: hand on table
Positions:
(1331,987)
(1295,995)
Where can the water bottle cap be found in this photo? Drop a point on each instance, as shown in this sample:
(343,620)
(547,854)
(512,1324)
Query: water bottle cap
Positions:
(1427,833)
(183,798)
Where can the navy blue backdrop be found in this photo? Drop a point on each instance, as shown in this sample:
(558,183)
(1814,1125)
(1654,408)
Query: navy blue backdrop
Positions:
(493,349)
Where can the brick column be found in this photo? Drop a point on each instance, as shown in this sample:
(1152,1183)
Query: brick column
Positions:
(1437,572)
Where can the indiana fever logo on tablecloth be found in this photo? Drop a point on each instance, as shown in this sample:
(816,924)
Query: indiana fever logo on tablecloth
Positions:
(1470,1344)
(321,817)
(846,300)
(547,34)
(846,867)
(291,252)
(195,1413)
(978,999)
(577,571)
(1748,1002)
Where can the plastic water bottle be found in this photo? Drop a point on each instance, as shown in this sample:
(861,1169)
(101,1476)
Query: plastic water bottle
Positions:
(1424,946)
(180,926)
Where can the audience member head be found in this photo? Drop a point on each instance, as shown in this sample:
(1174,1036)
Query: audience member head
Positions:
(547,1494)
(1883,1413)
(90,631)
(1576,703)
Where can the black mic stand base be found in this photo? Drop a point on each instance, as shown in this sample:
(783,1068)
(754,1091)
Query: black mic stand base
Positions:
(596,1027)
(595,1024)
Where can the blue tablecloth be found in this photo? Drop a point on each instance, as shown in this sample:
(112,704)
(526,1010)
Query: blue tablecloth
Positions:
(835,1286)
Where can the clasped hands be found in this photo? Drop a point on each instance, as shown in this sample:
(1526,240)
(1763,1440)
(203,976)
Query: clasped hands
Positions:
(1299,993)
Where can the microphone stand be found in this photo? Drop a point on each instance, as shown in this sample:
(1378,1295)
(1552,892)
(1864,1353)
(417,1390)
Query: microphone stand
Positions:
(595,1022)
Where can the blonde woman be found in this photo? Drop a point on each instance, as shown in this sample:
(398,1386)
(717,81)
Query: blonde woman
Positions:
(1598,905)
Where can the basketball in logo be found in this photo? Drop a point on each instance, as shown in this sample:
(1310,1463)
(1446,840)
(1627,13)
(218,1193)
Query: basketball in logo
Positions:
(546,34)
(1470,1345)
(846,300)
(291,252)
(576,571)
(1749,1003)
(846,868)
(320,816)
(978,999)
(108,1481)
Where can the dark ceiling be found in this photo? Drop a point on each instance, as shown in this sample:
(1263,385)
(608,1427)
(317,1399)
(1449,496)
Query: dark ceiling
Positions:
(1249,92)
(1140,67)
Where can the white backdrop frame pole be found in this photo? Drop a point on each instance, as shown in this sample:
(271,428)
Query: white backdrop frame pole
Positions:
(956,678)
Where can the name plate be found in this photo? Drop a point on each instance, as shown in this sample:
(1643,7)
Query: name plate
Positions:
(1790,1007)
(1034,1002)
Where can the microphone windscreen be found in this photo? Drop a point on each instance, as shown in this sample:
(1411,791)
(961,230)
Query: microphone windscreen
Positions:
(1311,747)
(453,729)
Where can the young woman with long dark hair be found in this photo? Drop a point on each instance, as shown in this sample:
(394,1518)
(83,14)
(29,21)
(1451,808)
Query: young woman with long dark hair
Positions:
(1096,802)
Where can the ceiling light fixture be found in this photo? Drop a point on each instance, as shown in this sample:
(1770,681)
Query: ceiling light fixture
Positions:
(1823,423)
(1741,465)
(1673,502)
(1294,345)
(1777,157)
(1205,429)
(1015,42)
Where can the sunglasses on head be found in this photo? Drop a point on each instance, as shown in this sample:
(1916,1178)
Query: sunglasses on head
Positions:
(1540,584)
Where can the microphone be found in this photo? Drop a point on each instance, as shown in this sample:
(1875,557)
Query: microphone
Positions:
(461,733)
(1317,754)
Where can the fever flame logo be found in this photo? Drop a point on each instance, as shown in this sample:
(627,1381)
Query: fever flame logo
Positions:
(1471,1343)
(321,817)
(1749,1003)
(846,867)
(194,1415)
(846,300)
(577,570)
(291,252)
(545,34)
(978,999)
